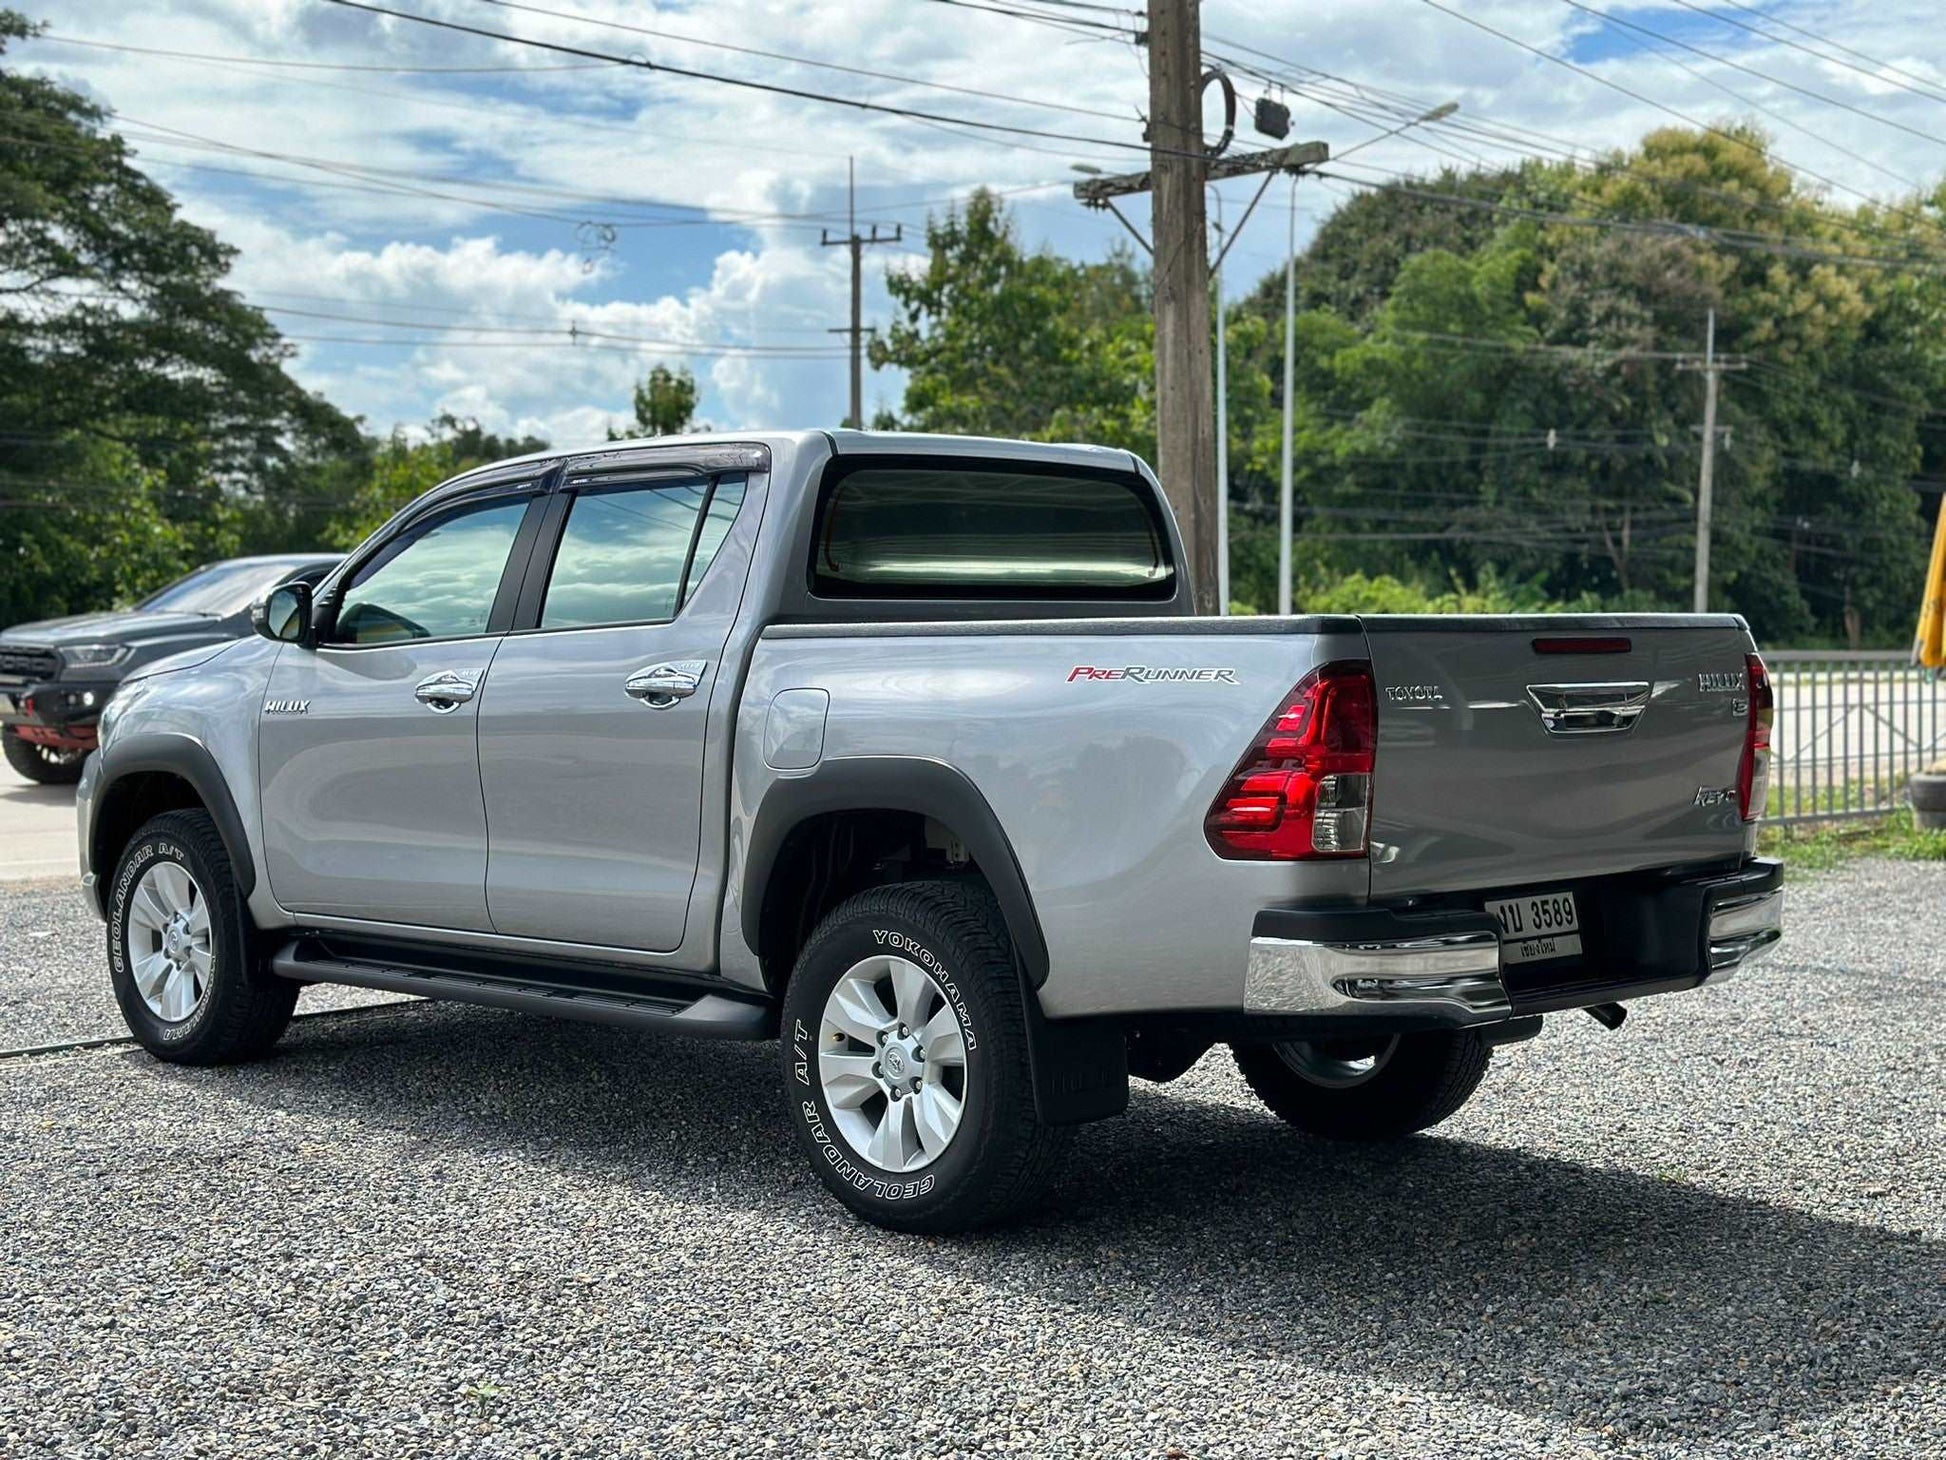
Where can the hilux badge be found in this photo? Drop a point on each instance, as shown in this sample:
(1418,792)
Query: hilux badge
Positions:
(286,707)
(1713,682)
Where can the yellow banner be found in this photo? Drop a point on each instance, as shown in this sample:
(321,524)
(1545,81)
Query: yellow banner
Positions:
(1929,644)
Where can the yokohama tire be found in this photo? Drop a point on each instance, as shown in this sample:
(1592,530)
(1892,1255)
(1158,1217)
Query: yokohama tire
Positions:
(1419,1081)
(38,764)
(240,1008)
(999,1158)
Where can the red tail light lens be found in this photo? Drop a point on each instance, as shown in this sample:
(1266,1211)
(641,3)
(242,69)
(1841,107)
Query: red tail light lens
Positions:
(1304,788)
(1753,772)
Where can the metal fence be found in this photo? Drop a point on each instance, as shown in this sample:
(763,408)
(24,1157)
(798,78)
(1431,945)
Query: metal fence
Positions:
(1851,729)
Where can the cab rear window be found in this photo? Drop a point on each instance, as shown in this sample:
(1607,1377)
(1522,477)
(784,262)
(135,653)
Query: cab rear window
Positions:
(937,531)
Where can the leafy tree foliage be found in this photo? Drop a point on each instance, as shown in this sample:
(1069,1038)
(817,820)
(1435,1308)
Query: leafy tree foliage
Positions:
(1001,341)
(150,420)
(665,404)
(1492,400)
(403,469)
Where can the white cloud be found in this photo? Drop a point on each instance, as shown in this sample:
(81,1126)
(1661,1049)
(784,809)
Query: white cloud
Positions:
(557,142)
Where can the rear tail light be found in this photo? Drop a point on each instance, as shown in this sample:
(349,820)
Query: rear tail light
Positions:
(1304,788)
(1753,772)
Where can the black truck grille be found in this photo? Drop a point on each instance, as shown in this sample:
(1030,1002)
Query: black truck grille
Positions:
(27,664)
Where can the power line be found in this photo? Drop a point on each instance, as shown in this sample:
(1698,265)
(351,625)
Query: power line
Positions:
(668,35)
(1836,46)
(1633,95)
(1838,102)
(1776,116)
(99,45)
(1662,228)
(745,83)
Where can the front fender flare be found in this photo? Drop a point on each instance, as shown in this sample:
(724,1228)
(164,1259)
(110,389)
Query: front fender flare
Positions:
(189,759)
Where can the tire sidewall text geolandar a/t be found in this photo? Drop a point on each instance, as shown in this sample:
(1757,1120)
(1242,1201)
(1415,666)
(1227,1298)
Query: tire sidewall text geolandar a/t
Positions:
(241,1009)
(998,1156)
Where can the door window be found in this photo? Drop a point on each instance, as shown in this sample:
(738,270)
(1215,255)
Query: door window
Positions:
(436,583)
(633,555)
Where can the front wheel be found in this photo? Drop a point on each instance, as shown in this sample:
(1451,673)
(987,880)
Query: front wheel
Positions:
(182,952)
(42,764)
(1366,1087)
(905,1060)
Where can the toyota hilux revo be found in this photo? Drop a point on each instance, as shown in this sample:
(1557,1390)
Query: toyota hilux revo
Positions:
(908,752)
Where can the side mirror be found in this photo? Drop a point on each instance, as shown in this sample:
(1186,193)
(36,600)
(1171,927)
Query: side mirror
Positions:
(284,616)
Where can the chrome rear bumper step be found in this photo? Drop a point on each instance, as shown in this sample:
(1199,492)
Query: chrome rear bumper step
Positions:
(704,1015)
(1376,966)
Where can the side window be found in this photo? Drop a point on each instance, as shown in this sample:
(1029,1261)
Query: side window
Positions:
(723,505)
(439,583)
(624,552)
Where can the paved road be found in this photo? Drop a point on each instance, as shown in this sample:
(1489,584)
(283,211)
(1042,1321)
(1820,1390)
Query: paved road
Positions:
(428,1231)
(36,829)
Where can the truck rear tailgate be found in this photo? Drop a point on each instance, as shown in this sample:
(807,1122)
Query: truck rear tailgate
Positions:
(1518,751)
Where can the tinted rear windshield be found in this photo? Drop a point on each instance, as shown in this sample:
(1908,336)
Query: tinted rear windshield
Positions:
(936,531)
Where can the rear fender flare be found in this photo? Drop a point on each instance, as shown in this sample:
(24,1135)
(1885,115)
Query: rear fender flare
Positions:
(1079,1067)
(894,783)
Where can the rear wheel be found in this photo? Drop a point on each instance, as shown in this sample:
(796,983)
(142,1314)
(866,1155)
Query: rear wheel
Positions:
(1367,1087)
(905,1061)
(42,764)
(182,952)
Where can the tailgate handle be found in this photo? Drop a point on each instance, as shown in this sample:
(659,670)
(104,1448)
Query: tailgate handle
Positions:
(1589,709)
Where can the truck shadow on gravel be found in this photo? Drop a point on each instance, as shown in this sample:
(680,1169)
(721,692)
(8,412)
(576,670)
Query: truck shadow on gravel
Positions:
(1608,1299)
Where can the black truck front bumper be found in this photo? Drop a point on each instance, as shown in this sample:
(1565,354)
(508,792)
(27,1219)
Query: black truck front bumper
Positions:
(58,715)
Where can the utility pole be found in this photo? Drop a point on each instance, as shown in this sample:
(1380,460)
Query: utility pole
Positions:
(1290,425)
(857,243)
(1712,368)
(1181,165)
(1184,408)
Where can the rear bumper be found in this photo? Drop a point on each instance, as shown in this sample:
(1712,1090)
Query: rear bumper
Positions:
(1381,967)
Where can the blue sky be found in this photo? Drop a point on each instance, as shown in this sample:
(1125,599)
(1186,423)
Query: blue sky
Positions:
(430,214)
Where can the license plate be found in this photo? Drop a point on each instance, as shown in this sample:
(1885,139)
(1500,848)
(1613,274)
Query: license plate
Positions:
(1539,926)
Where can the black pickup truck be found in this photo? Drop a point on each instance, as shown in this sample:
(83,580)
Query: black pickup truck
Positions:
(55,675)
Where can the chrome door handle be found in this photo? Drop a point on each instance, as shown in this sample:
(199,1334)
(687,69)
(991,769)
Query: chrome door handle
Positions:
(661,685)
(446,691)
(1589,709)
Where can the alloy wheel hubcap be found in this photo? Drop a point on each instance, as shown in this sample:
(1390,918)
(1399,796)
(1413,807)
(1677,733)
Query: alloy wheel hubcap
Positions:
(1337,1064)
(892,1063)
(170,944)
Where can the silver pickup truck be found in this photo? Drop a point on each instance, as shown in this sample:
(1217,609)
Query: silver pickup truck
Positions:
(907,752)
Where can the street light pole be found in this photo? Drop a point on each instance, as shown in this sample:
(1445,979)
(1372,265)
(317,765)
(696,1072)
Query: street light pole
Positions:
(1284,512)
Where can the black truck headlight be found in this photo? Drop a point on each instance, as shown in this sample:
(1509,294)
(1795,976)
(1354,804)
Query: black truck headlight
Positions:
(95,656)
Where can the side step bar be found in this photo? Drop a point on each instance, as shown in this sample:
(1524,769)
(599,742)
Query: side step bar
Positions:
(705,1016)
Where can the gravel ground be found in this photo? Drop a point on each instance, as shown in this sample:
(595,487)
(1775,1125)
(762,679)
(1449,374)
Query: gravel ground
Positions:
(436,1231)
(54,970)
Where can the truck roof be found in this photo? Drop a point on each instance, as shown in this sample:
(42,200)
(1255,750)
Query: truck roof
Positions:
(846,442)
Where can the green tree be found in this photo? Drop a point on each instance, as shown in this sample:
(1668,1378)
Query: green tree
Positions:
(665,404)
(996,340)
(403,469)
(129,372)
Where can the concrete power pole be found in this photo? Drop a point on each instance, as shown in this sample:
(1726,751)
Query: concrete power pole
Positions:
(1712,368)
(857,243)
(1185,414)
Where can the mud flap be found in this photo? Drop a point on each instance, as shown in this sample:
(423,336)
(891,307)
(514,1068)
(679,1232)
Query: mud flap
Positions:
(1080,1066)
